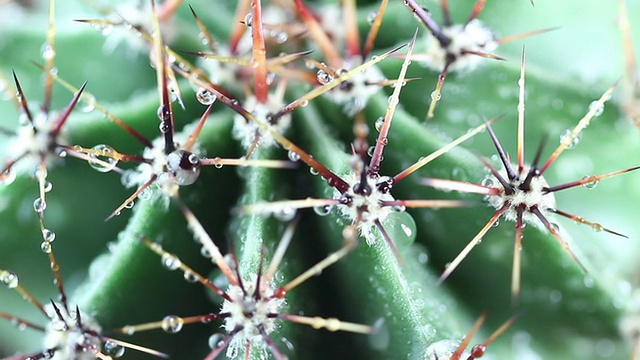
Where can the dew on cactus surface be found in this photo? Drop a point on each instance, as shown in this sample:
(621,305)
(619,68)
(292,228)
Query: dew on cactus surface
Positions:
(36,143)
(457,47)
(521,194)
(171,160)
(68,333)
(261,109)
(253,304)
(353,93)
(363,196)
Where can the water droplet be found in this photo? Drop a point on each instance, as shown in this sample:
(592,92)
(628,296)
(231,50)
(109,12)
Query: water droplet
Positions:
(270,77)
(61,152)
(39,205)
(20,325)
(129,205)
(129,330)
(285,214)
(379,338)
(322,210)
(215,340)
(248,19)
(9,278)
(87,103)
(47,186)
(435,96)
(280,36)
(203,38)
(104,29)
(8,176)
(555,296)
(555,227)
(442,349)
(309,64)
(401,227)
(190,277)
(371,150)
(163,113)
(164,127)
(172,324)
(599,108)
(592,182)
(372,17)
(304,103)
(48,235)
(379,122)
(170,261)
(323,77)
(45,246)
(313,171)
(40,173)
(103,158)
(47,51)
(566,136)
(59,325)
(588,281)
(146,193)
(204,96)
(111,348)
(183,166)
(488,182)
(293,156)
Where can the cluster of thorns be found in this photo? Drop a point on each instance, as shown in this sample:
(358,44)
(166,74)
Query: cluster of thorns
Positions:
(252,303)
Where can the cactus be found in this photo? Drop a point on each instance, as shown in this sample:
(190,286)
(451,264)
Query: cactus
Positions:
(295,230)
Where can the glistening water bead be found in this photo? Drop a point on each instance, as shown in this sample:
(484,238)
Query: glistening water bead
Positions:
(172,324)
(171,261)
(9,278)
(323,77)
(590,184)
(102,158)
(183,166)
(113,349)
(566,135)
(205,97)
(39,205)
